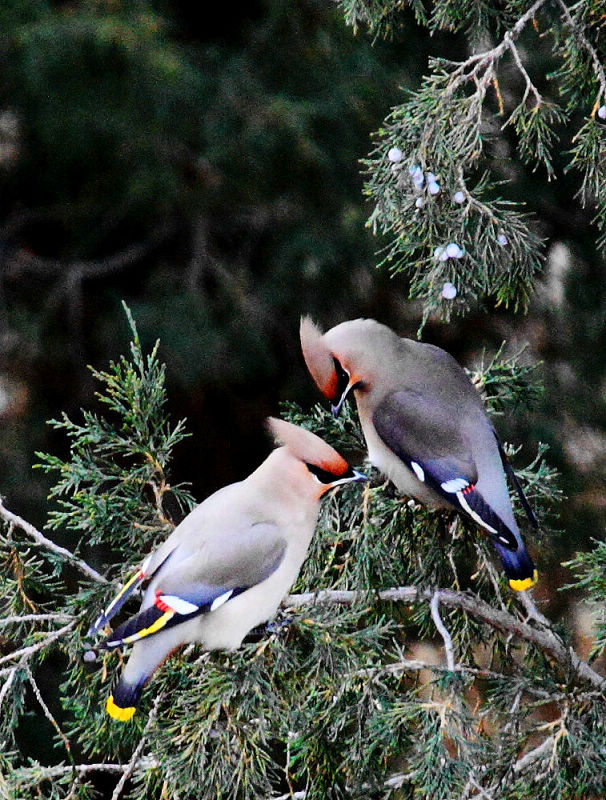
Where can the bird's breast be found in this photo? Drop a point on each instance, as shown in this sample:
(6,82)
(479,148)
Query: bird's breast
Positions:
(387,462)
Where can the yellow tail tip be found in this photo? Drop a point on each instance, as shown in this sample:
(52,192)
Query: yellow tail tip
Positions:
(121,714)
(525,583)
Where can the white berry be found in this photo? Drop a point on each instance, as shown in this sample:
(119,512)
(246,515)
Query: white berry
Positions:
(602,112)
(419,202)
(395,155)
(449,291)
(453,250)
(502,239)
(437,253)
(458,197)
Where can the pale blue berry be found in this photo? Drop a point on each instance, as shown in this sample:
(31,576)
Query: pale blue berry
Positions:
(602,112)
(449,291)
(437,253)
(453,250)
(458,197)
(431,178)
(433,187)
(419,202)
(395,155)
(502,239)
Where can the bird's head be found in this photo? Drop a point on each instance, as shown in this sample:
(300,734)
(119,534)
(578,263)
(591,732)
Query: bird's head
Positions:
(319,462)
(344,358)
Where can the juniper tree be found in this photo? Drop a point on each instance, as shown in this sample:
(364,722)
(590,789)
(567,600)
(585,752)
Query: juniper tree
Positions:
(340,700)
(406,667)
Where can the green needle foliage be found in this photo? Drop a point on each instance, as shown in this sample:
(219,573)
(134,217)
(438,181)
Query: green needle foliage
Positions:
(348,693)
(437,174)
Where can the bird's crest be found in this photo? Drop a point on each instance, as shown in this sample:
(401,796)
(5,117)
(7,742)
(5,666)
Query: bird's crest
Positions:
(318,358)
(306,446)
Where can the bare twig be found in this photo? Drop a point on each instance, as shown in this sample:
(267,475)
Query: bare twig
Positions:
(524,763)
(34,648)
(7,684)
(16,619)
(531,609)
(437,619)
(135,758)
(46,710)
(48,544)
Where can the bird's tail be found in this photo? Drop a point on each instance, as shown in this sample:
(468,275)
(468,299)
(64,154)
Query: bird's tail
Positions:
(518,566)
(122,702)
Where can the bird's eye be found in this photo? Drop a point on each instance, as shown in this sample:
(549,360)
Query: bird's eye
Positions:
(326,477)
(342,377)
(321,475)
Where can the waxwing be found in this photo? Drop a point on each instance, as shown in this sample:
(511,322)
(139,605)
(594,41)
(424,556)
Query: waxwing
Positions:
(227,566)
(425,427)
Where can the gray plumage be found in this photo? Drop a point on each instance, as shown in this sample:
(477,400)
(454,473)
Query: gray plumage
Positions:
(424,423)
(225,569)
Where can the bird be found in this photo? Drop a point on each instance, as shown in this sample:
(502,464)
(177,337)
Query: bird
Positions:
(425,427)
(227,566)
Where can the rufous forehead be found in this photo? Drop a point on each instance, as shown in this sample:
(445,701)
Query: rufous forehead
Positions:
(337,465)
(318,358)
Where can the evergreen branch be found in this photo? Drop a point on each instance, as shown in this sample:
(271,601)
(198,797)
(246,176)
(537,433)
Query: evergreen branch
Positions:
(135,759)
(487,58)
(35,648)
(39,538)
(545,640)
(577,32)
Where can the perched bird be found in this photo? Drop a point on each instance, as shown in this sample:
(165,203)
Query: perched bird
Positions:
(425,427)
(226,567)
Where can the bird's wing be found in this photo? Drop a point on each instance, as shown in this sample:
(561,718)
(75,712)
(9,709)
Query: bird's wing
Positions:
(222,569)
(133,583)
(415,427)
(509,471)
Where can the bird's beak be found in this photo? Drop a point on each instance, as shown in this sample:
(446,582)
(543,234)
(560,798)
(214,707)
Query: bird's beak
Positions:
(359,476)
(336,409)
(354,477)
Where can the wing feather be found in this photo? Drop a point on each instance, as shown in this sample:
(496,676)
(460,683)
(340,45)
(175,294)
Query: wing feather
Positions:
(412,426)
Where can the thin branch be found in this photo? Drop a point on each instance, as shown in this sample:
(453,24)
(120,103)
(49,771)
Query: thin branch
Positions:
(17,620)
(135,758)
(43,541)
(544,639)
(7,684)
(443,631)
(545,748)
(34,648)
(531,609)
(487,58)
(577,32)
(46,710)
